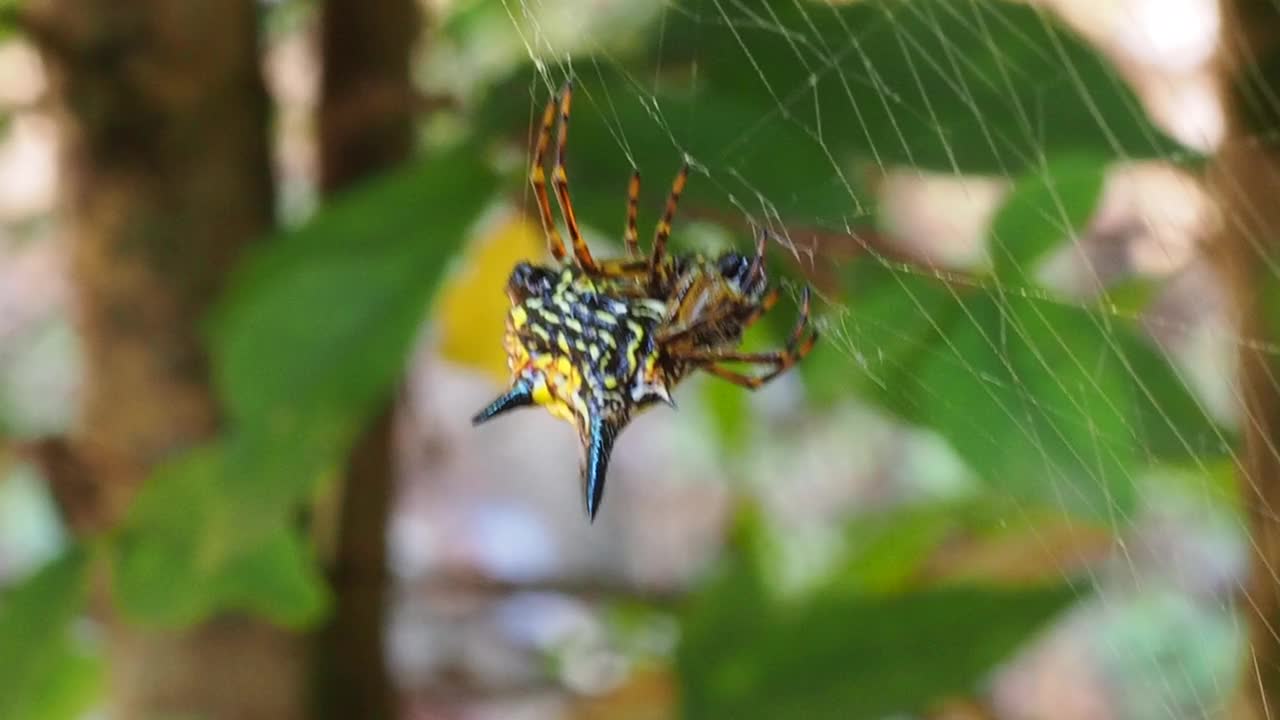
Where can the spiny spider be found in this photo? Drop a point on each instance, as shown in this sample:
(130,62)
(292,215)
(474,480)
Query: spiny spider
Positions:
(597,341)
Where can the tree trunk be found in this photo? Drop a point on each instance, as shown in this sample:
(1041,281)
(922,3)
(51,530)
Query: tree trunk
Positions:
(1246,181)
(163,121)
(366,127)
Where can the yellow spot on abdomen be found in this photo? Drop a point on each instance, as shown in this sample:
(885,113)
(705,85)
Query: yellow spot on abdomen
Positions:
(564,366)
(542,394)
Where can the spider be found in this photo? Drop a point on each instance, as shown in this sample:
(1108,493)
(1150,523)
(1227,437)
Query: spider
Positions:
(596,341)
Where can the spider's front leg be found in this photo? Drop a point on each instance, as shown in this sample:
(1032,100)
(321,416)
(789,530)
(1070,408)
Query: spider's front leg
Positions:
(658,257)
(632,236)
(538,179)
(561,179)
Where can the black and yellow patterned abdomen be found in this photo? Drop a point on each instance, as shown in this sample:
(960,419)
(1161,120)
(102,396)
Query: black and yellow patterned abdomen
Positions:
(584,349)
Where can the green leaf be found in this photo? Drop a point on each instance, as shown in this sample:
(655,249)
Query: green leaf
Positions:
(746,159)
(49,673)
(730,415)
(1045,210)
(848,656)
(279,580)
(1051,403)
(887,551)
(1130,296)
(783,107)
(192,546)
(312,335)
(949,85)
(322,318)
(175,538)
(894,317)
(10,23)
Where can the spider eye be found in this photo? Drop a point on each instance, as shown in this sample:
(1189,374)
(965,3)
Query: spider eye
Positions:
(529,280)
(742,272)
(734,266)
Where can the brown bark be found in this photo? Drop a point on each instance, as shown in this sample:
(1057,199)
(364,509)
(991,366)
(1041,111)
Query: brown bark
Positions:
(366,127)
(1246,181)
(166,179)
(367,97)
(163,121)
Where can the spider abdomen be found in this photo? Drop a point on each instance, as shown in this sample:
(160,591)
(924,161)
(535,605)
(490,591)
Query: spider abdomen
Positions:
(591,350)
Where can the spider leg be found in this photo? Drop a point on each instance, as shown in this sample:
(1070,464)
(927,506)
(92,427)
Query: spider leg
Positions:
(657,258)
(766,304)
(793,346)
(797,347)
(751,382)
(561,179)
(632,236)
(538,178)
(667,335)
(782,361)
(802,322)
(786,357)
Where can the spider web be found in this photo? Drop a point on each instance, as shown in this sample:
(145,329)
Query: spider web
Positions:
(901,230)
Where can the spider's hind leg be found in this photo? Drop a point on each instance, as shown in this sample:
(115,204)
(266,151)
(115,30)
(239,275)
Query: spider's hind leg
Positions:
(777,361)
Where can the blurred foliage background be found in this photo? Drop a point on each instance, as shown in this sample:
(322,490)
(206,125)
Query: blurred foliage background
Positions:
(251,267)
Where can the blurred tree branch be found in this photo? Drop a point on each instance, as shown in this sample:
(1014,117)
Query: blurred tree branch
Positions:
(1246,180)
(162,115)
(367,113)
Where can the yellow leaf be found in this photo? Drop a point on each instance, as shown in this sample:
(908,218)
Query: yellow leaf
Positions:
(472,308)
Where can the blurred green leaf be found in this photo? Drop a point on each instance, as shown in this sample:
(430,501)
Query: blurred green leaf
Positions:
(174,540)
(190,548)
(312,335)
(9,24)
(1174,423)
(949,85)
(786,105)
(1046,209)
(893,317)
(747,160)
(887,551)
(279,580)
(48,672)
(321,318)
(1130,296)
(730,415)
(1049,402)
(1051,399)
(846,655)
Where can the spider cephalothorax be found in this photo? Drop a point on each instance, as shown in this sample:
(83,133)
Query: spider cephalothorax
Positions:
(596,341)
